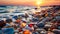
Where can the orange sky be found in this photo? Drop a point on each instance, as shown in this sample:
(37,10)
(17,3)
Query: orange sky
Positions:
(29,2)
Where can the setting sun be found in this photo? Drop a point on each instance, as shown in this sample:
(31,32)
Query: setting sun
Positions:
(38,3)
(30,2)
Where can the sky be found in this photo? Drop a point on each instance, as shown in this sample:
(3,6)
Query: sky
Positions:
(30,2)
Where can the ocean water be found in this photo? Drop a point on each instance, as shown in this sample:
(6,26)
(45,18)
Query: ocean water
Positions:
(15,9)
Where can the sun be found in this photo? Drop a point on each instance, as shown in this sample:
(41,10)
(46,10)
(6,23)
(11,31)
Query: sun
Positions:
(38,3)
